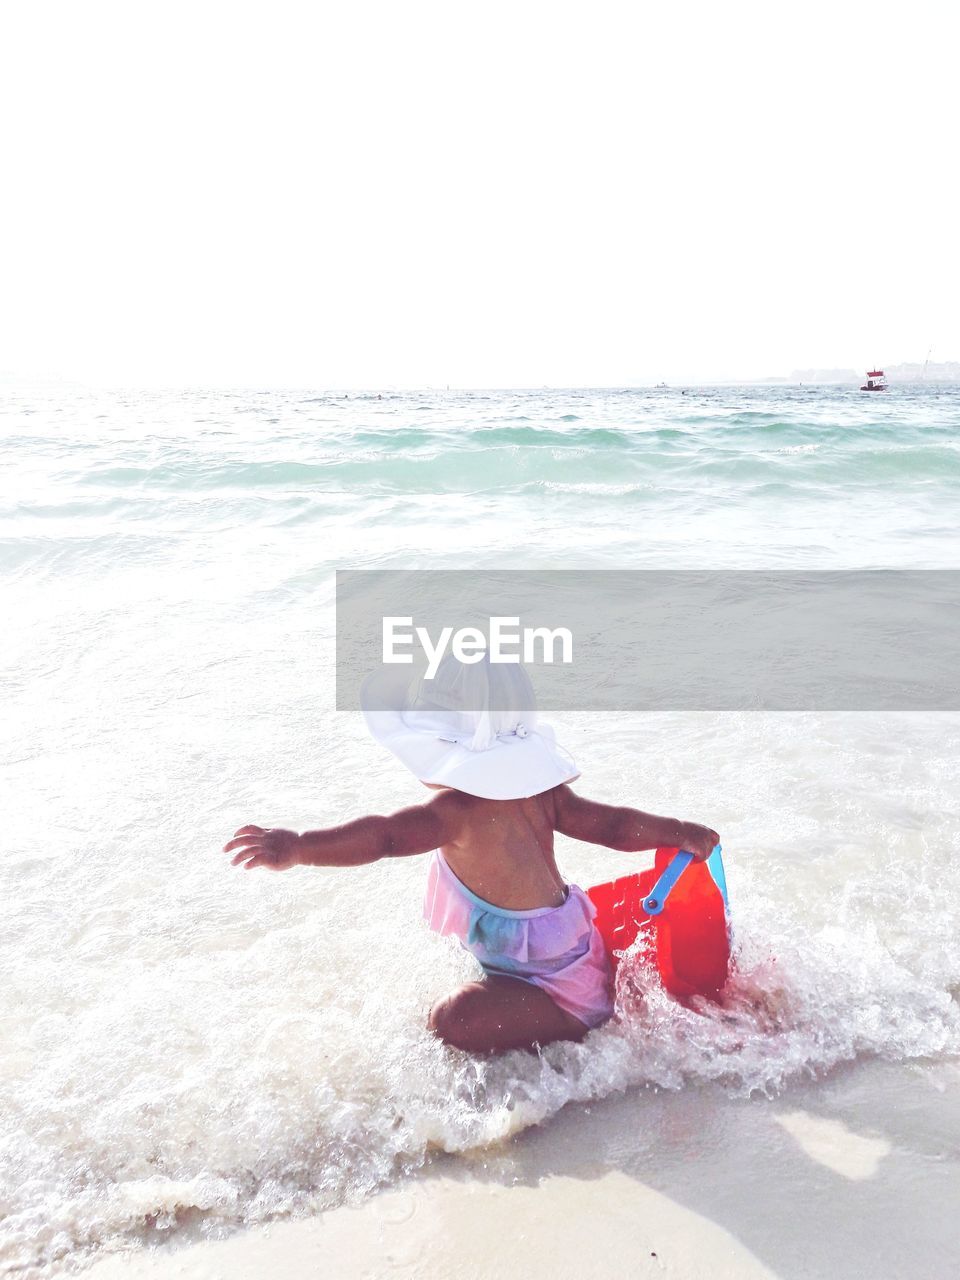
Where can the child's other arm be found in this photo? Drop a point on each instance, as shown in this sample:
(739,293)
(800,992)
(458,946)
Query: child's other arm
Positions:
(628,830)
(415,830)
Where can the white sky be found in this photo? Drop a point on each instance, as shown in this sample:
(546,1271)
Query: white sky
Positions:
(482,194)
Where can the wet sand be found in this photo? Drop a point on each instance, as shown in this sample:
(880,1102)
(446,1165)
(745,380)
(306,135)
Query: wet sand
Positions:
(855,1176)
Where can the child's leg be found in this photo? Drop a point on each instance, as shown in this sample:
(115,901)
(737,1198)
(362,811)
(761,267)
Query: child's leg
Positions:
(497,1014)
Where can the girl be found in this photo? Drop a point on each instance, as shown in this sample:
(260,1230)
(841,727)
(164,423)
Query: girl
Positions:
(502,786)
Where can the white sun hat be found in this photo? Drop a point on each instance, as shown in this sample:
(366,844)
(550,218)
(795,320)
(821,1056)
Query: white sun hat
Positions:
(472,727)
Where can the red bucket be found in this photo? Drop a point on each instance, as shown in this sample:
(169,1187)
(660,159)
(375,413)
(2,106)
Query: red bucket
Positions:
(684,927)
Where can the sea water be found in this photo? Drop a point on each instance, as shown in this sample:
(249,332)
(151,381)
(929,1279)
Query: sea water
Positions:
(187,1046)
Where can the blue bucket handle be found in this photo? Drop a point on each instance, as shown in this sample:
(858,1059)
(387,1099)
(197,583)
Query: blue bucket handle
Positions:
(656,900)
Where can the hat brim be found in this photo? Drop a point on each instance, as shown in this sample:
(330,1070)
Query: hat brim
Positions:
(511,768)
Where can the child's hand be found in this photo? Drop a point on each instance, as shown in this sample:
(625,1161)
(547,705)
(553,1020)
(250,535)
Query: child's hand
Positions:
(275,848)
(697,840)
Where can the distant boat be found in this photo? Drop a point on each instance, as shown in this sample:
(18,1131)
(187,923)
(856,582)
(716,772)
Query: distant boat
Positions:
(875,381)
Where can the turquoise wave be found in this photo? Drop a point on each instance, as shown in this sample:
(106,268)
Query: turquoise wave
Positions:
(191,466)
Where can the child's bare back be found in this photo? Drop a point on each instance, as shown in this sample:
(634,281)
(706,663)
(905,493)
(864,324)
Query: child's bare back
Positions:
(503,850)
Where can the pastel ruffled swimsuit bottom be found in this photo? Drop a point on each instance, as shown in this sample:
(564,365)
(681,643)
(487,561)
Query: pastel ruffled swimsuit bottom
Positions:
(556,948)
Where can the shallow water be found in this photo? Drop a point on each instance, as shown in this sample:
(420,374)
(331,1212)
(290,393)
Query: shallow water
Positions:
(186,1046)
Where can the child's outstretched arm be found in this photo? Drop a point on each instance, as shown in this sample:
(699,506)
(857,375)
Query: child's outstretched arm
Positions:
(627,830)
(415,830)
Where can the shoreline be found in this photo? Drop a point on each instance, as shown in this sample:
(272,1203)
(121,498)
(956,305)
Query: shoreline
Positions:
(851,1176)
